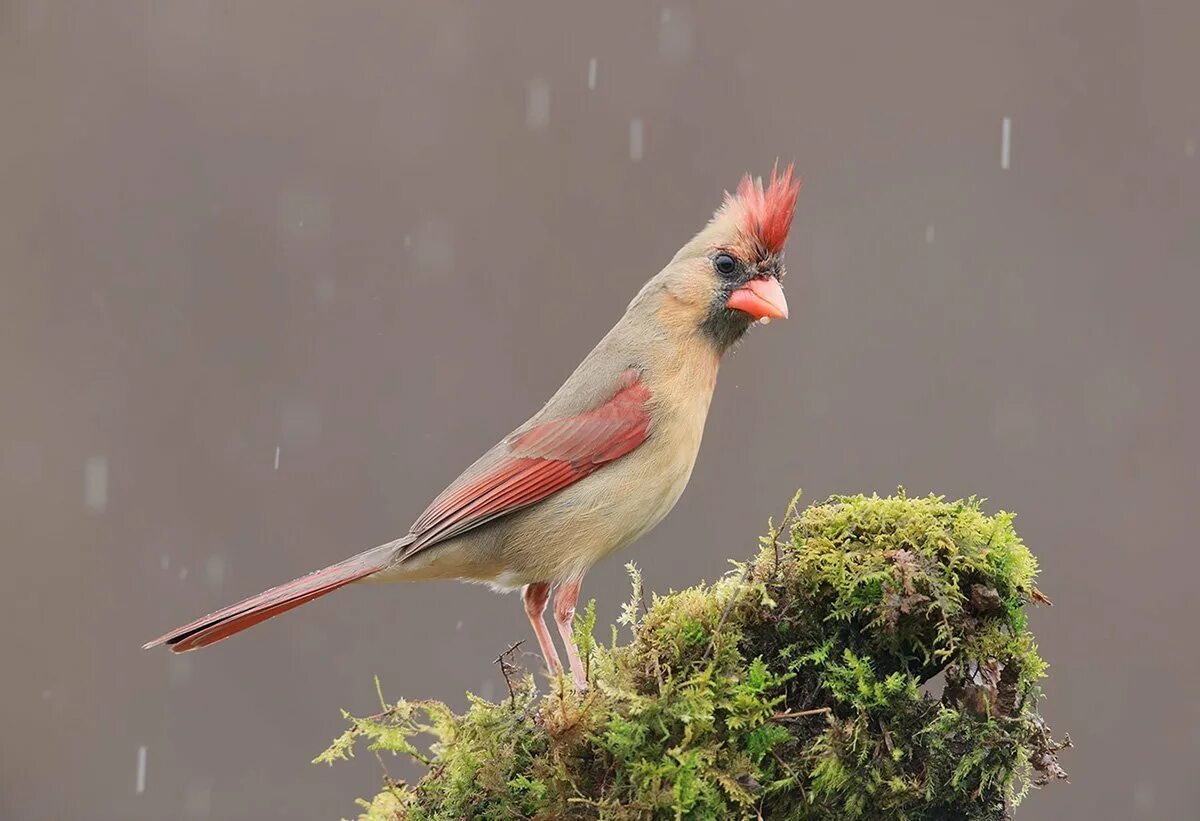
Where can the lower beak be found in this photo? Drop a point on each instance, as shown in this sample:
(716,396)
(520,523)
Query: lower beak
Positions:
(761,298)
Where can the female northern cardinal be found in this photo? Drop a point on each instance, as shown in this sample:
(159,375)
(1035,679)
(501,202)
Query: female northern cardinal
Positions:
(603,461)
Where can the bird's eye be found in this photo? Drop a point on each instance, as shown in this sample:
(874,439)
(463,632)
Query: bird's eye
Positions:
(724,264)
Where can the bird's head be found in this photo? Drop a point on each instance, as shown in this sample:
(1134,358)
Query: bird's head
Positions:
(728,276)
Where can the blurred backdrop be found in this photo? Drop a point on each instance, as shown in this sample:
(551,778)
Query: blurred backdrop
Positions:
(272,273)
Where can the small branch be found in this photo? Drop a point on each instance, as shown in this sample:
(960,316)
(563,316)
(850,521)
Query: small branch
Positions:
(737,592)
(788,517)
(887,737)
(507,669)
(799,714)
(387,777)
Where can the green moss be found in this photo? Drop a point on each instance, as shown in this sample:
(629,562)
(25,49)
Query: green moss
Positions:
(791,688)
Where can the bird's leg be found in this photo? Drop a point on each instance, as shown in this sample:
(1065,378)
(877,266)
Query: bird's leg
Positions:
(535,597)
(564,613)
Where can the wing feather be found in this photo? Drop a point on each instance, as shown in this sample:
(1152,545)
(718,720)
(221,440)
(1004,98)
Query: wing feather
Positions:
(539,462)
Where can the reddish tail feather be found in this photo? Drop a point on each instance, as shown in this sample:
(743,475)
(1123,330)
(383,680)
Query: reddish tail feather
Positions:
(249,612)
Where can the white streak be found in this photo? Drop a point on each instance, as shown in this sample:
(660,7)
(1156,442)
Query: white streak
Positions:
(592,74)
(197,800)
(1005,142)
(300,419)
(181,668)
(674,37)
(141,769)
(214,569)
(304,214)
(636,139)
(1143,797)
(95,483)
(929,232)
(326,290)
(537,104)
(433,248)
(277,457)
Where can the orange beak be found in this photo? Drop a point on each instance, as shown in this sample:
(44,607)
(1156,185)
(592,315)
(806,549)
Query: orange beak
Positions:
(761,298)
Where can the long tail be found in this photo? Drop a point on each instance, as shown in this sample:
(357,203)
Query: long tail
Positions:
(249,612)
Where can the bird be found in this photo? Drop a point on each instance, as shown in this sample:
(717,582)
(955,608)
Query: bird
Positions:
(602,462)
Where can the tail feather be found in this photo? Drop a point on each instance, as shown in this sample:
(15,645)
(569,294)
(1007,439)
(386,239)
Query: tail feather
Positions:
(249,612)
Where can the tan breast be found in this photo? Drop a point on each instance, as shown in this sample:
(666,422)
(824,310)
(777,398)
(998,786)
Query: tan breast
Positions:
(571,531)
(562,536)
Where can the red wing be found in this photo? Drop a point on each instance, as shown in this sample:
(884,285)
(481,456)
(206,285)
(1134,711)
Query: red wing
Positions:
(539,462)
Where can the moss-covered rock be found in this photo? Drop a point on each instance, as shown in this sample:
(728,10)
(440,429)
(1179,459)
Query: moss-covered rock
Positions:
(795,687)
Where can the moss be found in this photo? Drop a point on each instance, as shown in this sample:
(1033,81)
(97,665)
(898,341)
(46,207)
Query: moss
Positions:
(791,688)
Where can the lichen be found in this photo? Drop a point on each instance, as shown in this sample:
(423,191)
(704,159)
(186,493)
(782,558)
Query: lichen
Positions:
(798,686)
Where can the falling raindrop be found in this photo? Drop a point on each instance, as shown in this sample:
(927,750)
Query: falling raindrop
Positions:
(181,668)
(537,104)
(1143,797)
(929,232)
(95,483)
(1005,142)
(636,147)
(433,248)
(326,290)
(182,573)
(301,420)
(141,769)
(214,569)
(674,36)
(304,214)
(1014,420)
(592,74)
(277,457)
(197,801)
(166,561)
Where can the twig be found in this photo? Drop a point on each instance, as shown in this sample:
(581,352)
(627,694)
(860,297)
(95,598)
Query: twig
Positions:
(789,517)
(506,669)
(601,805)
(775,546)
(887,737)
(799,714)
(786,767)
(386,775)
(728,606)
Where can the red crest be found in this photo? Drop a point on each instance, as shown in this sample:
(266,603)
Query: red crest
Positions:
(767,212)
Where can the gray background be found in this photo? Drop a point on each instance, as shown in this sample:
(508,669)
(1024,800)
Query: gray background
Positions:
(377,236)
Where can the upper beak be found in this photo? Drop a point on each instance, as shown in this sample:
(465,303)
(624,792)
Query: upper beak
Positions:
(761,298)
